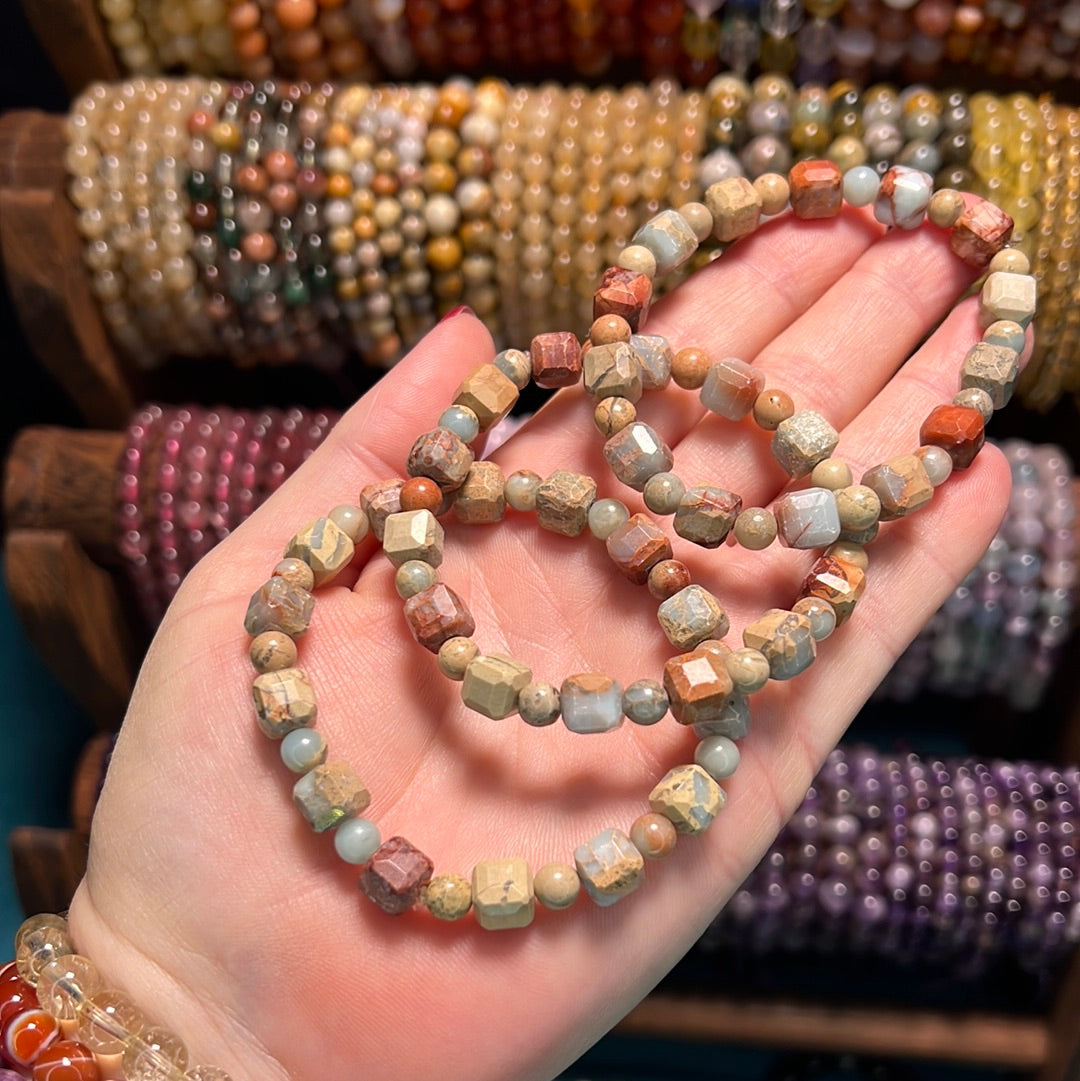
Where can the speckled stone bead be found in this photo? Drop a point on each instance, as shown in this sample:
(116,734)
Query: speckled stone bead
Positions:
(623,292)
(706,514)
(436,614)
(849,552)
(691,616)
(803,440)
(689,797)
(975,398)
(611,415)
(448,897)
(663,493)
(296,572)
(731,720)
(837,582)
(556,886)
(718,756)
(735,205)
(774,190)
(901,484)
(945,208)
(520,490)
(563,501)
(636,453)
(1007,333)
(698,217)
(441,456)
(303,749)
(755,528)
(608,329)
(1007,296)
(731,387)
(516,365)
(666,578)
(481,500)
(669,237)
(636,545)
(821,614)
(328,794)
(697,686)
(980,232)
(903,197)
(502,894)
(772,408)
(351,520)
(654,835)
(654,355)
(271,651)
(609,866)
(454,656)
(958,431)
(324,547)
(591,702)
(1012,261)
(396,876)
(488,393)
(538,704)
(278,605)
(492,683)
(460,420)
(413,534)
(637,259)
(785,640)
(356,840)
(645,702)
(378,501)
(556,359)
(412,577)
(807,518)
(284,700)
(612,371)
(605,516)
(748,668)
(817,189)
(858,506)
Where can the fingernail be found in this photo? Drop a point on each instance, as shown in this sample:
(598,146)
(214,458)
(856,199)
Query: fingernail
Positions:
(457,311)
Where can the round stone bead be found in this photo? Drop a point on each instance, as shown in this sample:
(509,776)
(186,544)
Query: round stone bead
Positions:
(976,398)
(356,840)
(718,756)
(351,520)
(296,572)
(667,578)
(412,577)
(821,614)
(755,528)
(455,655)
(645,701)
(556,885)
(303,749)
(861,185)
(748,669)
(639,259)
(937,463)
(608,329)
(699,218)
(605,516)
(858,506)
(1010,260)
(520,489)
(689,368)
(516,365)
(462,421)
(774,192)
(448,897)
(538,704)
(945,208)
(849,553)
(772,408)
(271,651)
(663,493)
(613,414)
(1006,332)
(831,473)
(654,835)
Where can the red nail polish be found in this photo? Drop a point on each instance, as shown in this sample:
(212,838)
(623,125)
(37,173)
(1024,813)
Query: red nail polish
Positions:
(457,311)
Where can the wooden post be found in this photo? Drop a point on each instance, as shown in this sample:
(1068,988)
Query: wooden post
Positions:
(47,865)
(73,37)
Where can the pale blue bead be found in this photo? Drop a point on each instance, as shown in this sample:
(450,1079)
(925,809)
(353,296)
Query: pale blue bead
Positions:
(605,516)
(807,519)
(303,749)
(1005,332)
(861,185)
(669,237)
(821,614)
(597,859)
(732,720)
(645,701)
(905,208)
(718,756)
(591,711)
(462,421)
(655,355)
(356,840)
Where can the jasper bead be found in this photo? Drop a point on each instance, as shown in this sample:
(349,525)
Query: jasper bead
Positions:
(645,701)
(356,840)
(303,749)
(436,614)
(937,463)
(858,507)
(1007,333)
(980,233)
(271,651)
(697,686)
(492,683)
(324,547)
(623,292)
(655,357)
(538,704)
(637,453)
(803,440)
(520,490)
(489,394)
(691,616)
(817,189)
(755,528)
(296,572)
(328,794)
(821,614)
(669,237)
(611,415)
(413,535)
(591,702)
(516,365)
(605,516)
(958,431)
(378,501)
(563,501)
(412,577)
(448,897)
(462,421)
(556,885)
(837,582)
(808,518)
(718,756)
(442,456)
(667,577)
(284,700)
(785,640)
(396,875)
(636,545)
(654,835)
(502,894)
(481,500)
(663,492)
(609,866)
(420,493)
(772,408)
(279,606)
(1008,297)
(732,719)
(689,797)
(612,371)
(748,668)
(706,514)
(731,387)
(992,368)
(903,197)
(556,359)
(735,205)
(455,655)
(901,484)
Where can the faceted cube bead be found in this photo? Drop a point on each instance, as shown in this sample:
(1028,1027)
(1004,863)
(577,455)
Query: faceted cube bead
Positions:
(817,189)
(623,292)
(612,371)
(636,545)
(563,501)
(735,206)
(609,866)
(378,501)
(413,534)
(278,605)
(958,430)
(669,237)
(436,614)
(284,700)
(481,499)
(556,359)
(396,876)
(697,685)
(654,355)
(591,702)
(443,457)
(692,616)
(502,894)
(731,387)
(492,683)
(330,793)
(803,440)
(706,514)
(993,368)
(785,640)
(903,197)
(837,581)
(324,547)
(637,453)
(488,393)
(1007,296)
(807,518)
(732,719)
(901,484)
(689,797)
(980,233)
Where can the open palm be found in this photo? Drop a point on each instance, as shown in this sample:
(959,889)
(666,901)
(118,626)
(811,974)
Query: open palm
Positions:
(210,900)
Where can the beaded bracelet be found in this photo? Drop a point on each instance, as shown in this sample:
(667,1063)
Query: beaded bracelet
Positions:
(705,687)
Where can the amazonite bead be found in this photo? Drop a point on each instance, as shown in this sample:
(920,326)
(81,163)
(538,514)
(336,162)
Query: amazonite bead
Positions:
(645,701)
(669,237)
(356,840)
(1005,332)
(861,185)
(462,421)
(412,577)
(303,749)
(591,702)
(609,866)
(605,516)
(718,756)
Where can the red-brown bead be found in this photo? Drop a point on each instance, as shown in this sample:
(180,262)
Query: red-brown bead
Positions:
(957,429)
(837,581)
(817,189)
(436,614)
(636,546)
(980,233)
(623,292)
(556,359)
(395,877)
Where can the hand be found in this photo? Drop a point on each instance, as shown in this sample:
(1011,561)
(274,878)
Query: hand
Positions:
(211,901)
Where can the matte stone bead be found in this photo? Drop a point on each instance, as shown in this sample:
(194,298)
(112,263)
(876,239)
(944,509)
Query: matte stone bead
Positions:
(961,432)
(608,329)
(980,233)
(718,756)
(839,583)
(945,208)
(663,492)
(303,749)
(448,897)
(279,606)
(697,685)
(284,700)
(821,614)
(611,415)
(502,894)
(609,866)
(666,578)
(636,545)
(460,420)
(731,387)
(481,500)
(901,484)
(654,835)
(538,704)
(807,518)
(396,876)
(378,501)
(324,547)
(443,457)
(831,473)
(351,520)
(803,440)
(669,237)
(859,508)
(699,218)
(817,189)
(556,885)
(492,684)
(556,359)
(516,365)
(413,534)
(454,655)
(689,797)
(654,355)
(612,371)
(735,205)
(748,668)
(328,794)
(605,516)
(591,702)
(1012,261)
(296,572)
(849,552)
(992,368)
(861,185)
(691,616)
(785,640)
(623,292)
(356,840)
(903,197)
(436,614)
(1007,333)
(412,577)
(636,453)
(645,701)
(772,408)
(489,394)
(1007,296)
(520,490)
(755,528)
(563,502)
(731,720)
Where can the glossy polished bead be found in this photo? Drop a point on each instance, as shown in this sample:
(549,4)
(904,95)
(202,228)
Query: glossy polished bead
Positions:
(516,365)
(605,516)
(718,756)
(492,683)
(563,501)
(351,520)
(462,421)
(556,885)
(803,440)
(861,185)
(697,686)
(591,702)
(271,651)
(296,572)
(153,1054)
(412,577)
(958,431)
(612,371)
(520,490)
(396,876)
(837,582)
(731,387)
(654,355)
(66,1060)
(691,616)
(284,700)
(65,984)
(448,897)
(689,797)
(858,506)
(328,794)
(817,189)
(356,840)
(435,614)
(980,232)
(732,719)
(755,528)
(610,867)
(556,359)
(667,578)
(324,547)
(821,614)
(637,453)
(636,546)
(831,473)
(663,492)
(903,197)
(748,669)
(785,639)
(1006,333)
(945,208)
(380,500)
(772,408)
(807,518)
(611,415)
(937,463)
(645,701)
(901,484)
(106,1021)
(623,292)
(502,894)
(654,835)
(669,237)
(303,749)
(454,656)
(280,606)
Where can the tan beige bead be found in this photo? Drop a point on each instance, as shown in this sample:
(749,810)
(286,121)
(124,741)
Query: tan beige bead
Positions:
(442,456)
(638,260)
(330,793)
(324,547)
(481,499)
(492,683)
(735,205)
(455,655)
(612,371)
(774,192)
(448,896)
(785,639)
(609,329)
(654,835)
(556,885)
(901,484)
(611,415)
(277,605)
(849,553)
(563,501)
(296,572)
(1010,261)
(772,408)
(691,616)
(689,368)
(502,894)
(413,534)
(271,651)
(380,500)
(667,577)
(689,797)
(284,700)
(489,394)
(831,473)
(755,528)
(610,867)
(945,207)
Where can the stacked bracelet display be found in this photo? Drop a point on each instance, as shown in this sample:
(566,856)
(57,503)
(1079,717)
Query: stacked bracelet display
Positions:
(707,685)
